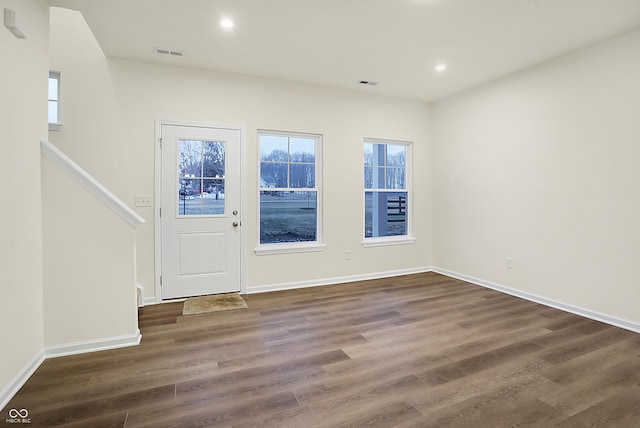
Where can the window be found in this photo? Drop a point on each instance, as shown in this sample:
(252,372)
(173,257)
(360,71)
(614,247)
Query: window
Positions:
(386,193)
(201,169)
(54,100)
(290,198)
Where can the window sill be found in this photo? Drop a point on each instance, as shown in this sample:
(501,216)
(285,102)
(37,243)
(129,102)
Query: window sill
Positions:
(383,242)
(55,126)
(264,250)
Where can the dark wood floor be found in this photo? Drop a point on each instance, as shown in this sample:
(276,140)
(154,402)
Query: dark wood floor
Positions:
(414,351)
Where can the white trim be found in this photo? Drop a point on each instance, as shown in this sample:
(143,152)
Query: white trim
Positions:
(608,319)
(336,280)
(294,247)
(408,188)
(93,345)
(387,141)
(158,197)
(289,248)
(140,295)
(244,205)
(151,301)
(7,392)
(55,126)
(157,232)
(12,388)
(386,241)
(84,179)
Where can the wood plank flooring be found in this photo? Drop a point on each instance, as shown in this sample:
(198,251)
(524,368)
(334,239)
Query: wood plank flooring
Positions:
(414,351)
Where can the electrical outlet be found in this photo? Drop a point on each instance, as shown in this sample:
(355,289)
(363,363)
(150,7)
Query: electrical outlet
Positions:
(347,254)
(509,263)
(143,201)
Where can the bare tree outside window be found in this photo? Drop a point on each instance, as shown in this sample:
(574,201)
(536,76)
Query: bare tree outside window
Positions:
(289,195)
(386,194)
(201,177)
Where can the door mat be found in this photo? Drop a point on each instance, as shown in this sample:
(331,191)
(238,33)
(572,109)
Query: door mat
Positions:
(213,303)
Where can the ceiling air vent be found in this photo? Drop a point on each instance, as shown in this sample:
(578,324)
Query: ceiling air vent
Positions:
(169,52)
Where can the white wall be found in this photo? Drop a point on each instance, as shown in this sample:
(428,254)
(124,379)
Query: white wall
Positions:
(122,135)
(89,251)
(543,167)
(23,116)
(92,132)
(89,268)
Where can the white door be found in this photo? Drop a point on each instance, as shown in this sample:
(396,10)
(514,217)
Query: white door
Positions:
(200,211)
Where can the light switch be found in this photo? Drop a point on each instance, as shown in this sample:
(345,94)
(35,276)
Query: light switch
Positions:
(143,201)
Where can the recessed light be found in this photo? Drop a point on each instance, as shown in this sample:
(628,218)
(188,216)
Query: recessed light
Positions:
(226,23)
(440,68)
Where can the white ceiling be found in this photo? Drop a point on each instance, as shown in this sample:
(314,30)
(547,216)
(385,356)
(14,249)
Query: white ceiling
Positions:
(340,42)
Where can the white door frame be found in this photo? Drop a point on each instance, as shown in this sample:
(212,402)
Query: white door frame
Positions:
(158,197)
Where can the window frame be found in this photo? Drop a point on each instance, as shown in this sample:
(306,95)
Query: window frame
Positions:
(200,178)
(54,126)
(407,238)
(293,247)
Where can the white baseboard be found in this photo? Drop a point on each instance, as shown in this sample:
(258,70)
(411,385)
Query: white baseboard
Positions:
(131,340)
(150,301)
(335,280)
(608,319)
(9,390)
(23,375)
(140,295)
(93,345)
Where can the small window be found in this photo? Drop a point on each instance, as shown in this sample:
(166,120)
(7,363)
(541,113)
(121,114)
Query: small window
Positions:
(54,98)
(386,189)
(201,168)
(290,181)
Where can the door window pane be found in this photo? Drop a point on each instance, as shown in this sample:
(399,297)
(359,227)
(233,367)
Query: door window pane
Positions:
(201,177)
(213,159)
